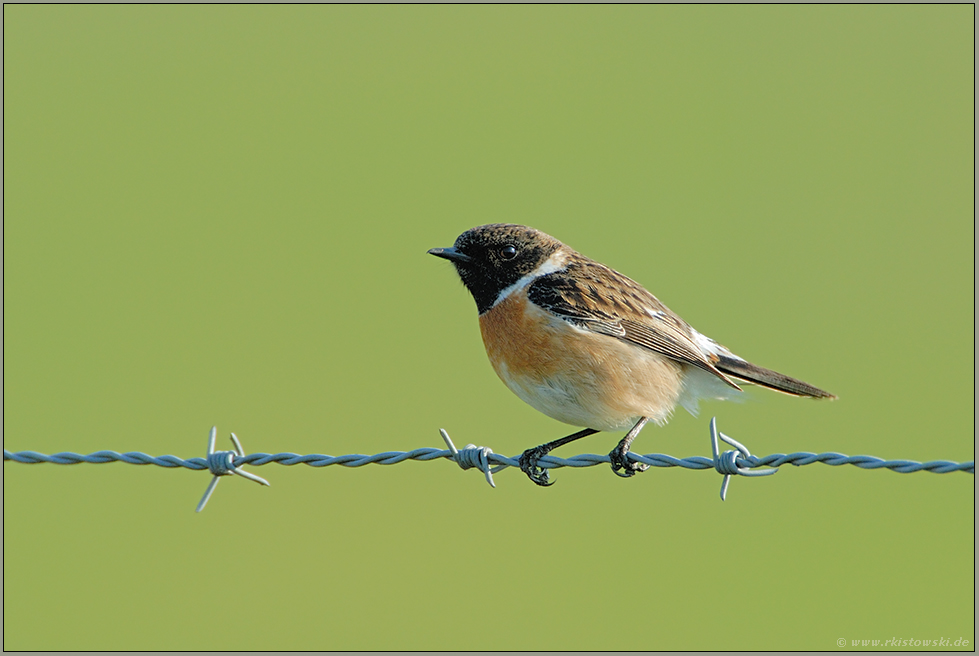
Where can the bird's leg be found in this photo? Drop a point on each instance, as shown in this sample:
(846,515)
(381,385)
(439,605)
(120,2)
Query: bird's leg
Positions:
(619,457)
(529,458)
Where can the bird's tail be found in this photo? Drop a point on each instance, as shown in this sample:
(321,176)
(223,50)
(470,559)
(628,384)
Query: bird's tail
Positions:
(752,373)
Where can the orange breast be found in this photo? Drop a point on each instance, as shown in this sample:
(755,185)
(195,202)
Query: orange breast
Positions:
(519,338)
(573,375)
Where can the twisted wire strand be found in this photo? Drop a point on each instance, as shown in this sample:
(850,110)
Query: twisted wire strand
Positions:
(732,463)
(798,459)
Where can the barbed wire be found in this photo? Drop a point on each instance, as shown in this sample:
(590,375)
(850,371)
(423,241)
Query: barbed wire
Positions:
(738,462)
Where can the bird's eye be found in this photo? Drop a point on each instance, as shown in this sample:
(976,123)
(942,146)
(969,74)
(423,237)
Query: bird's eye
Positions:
(508,252)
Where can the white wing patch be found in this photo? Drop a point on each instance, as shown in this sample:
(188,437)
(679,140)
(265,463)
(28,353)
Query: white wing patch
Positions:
(709,347)
(698,384)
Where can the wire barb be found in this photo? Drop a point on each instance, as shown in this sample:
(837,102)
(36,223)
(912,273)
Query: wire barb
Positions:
(727,463)
(473,456)
(222,463)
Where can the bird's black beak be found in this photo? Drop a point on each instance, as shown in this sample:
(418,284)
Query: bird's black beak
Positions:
(450,254)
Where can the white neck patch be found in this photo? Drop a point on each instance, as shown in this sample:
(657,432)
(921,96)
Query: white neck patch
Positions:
(558,261)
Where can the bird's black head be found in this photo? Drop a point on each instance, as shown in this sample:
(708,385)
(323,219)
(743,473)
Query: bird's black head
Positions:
(492,257)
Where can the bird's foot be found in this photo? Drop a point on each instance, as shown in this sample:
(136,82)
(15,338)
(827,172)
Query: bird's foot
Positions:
(529,466)
(620,461)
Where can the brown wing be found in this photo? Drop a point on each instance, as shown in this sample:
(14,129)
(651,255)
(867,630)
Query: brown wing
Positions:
(596,298)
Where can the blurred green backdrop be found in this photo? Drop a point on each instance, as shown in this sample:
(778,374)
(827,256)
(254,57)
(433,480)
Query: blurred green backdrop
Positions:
(219,215)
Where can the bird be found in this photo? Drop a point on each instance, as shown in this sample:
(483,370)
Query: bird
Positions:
(588,346)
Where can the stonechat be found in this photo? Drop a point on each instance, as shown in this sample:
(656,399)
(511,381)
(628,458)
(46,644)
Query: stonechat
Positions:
(588,346)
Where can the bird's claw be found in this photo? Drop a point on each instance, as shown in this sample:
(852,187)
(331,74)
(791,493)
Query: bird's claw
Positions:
(620,461)
(529,466)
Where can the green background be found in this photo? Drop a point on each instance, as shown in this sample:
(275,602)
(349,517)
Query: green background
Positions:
(220,216)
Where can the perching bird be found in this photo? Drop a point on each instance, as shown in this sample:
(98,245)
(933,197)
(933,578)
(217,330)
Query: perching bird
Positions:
(588,346)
